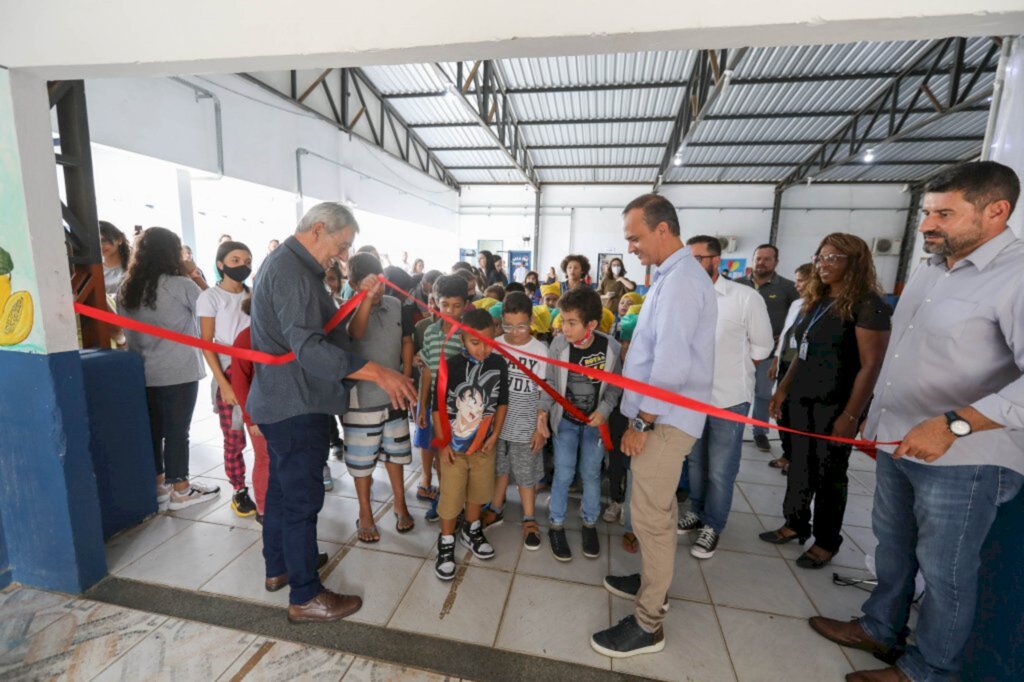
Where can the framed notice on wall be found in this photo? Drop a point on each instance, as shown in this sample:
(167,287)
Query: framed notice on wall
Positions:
(467,256)
(519,263)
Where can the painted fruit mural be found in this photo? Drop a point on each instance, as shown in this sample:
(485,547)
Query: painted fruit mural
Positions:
(16,308)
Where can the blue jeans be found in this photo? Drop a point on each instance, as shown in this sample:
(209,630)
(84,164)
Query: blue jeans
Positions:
(762,395)
(298,448)
(576,442)
(932,518)
(713,464)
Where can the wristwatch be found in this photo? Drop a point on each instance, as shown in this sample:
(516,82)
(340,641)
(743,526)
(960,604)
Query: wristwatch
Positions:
(958,426)
(640,425)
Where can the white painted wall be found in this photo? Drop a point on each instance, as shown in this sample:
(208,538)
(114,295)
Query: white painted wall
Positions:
(60,39)
(588,219)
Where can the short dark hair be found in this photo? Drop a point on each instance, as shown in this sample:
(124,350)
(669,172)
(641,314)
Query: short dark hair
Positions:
(714,243)
(579,258)
(429,277)
(478,319)
(584,301)
(461,265)
(517,302)
(450,286)
(400,278)
(466,276)
(514,286)
(769,246)
(982,182)
(495,291)
(362,265)
(657,209)
(530,286)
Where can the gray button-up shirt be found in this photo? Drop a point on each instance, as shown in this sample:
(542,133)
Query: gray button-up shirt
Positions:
(290,307)
(673,344)
(958,340)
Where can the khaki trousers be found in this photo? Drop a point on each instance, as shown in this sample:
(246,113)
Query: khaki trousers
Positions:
(655,515)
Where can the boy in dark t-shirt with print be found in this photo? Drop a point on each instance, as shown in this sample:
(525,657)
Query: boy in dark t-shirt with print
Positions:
(476,400)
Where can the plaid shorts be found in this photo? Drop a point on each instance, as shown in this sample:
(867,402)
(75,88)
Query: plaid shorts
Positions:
(374,433)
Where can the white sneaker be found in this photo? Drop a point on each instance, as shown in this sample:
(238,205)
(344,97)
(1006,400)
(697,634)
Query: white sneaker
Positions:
(612,512)
(163,494)
(204,488)
(190,497)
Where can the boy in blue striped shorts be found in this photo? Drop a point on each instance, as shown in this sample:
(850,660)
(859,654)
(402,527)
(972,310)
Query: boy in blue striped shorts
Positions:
(374,431)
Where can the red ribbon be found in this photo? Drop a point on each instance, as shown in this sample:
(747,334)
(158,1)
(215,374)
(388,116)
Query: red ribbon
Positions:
(202,344)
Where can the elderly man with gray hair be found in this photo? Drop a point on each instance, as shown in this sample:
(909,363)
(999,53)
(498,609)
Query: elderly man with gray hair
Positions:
(291,403)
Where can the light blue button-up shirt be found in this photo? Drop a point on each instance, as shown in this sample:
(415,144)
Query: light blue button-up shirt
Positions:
(673,344)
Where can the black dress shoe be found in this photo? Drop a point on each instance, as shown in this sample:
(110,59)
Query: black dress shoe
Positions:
(776,537)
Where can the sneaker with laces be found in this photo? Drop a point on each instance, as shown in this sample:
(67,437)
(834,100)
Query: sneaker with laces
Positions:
(761,443)
(492,517)
(204,488)
(163,494)
(184,499)
(612,512)
(242,504)
(627,639)
(591,543)
(328,481)
(627,587)
(531,535)
(472,536)
(559,544)
(444,566)
(688,523)
(705,544)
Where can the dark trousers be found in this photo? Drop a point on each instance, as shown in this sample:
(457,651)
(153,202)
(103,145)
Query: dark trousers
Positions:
(785,438)
(170,415)
(298,449)
(335,433)
(618,463)
(817,471)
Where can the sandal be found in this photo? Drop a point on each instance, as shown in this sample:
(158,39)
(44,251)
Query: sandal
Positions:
(407,519)
(815,557)
(426,493)
(779,463)
(630,543)
(367,535)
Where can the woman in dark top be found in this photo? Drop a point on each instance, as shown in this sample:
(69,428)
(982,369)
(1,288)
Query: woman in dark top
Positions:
(491,273)
(840,341)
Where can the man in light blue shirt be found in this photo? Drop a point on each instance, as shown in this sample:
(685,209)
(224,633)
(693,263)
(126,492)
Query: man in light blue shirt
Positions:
(673,348)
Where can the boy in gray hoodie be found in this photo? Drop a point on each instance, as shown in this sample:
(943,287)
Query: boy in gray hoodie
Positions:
(576,441)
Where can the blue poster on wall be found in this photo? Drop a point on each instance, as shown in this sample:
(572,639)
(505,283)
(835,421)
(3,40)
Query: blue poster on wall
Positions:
(467,256)
(519,263)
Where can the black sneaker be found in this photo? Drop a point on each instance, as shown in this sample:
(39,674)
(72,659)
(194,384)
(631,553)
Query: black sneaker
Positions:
(444,567)
(242,504)
(559,544)
(491,517)
(627,639)
(688,522)
(761,441)
(591,543)
(473,538)
(706,543)
(531,535)
(627,587)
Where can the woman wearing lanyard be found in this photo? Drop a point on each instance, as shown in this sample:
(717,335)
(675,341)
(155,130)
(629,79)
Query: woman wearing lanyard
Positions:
(840,343)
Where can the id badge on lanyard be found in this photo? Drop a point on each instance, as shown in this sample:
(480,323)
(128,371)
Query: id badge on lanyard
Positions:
(804,345)
(803,349)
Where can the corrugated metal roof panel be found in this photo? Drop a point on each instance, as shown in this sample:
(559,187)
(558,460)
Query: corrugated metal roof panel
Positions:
(602,157)
(404,78)
(584,175)
(827,59)
(767,129)
(596,133)
(747,154)
(468,177)
(600,104)
(432,110)
(474,158)
(636,67)
(797,97)
(468,136)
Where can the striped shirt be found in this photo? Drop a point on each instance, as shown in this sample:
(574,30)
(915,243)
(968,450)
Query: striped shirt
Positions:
(523,393)
(433,340)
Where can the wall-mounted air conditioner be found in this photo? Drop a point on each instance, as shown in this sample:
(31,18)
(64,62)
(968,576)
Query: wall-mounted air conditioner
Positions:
(883,246)
(729,244)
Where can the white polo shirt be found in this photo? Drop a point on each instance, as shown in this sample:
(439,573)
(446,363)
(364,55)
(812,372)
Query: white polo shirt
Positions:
(743,334)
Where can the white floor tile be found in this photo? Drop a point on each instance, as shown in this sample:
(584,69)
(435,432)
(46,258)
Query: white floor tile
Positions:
(579,570)
(380,490)
(739,501)
(381,579)
(131,544)
(740,535)
(338,518)
(754,582)
(835,601)
(550,618)
(192,557)
(694,647)
(864,537)
(756,471)
(764,499)
(466,608)
(767,647)
(858,510)
(419,542)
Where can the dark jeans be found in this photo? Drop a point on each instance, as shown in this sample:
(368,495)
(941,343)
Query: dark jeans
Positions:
(932,518)
(335,432)
(817,471)
(712,467)
(763,387)
(298,449)
(618,463)
(785,438)
(170,414)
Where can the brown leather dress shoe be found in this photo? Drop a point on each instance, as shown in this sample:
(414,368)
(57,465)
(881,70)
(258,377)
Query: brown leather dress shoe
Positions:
(892,674)
(324,607)
(280,581)
(847,633)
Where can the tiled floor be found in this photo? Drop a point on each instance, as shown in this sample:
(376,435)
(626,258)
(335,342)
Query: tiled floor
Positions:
(740,615)
(49,636)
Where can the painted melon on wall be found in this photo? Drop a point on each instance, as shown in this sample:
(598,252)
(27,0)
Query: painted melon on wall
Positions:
(16,310)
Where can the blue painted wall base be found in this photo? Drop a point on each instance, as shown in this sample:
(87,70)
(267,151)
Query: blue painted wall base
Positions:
(49,505)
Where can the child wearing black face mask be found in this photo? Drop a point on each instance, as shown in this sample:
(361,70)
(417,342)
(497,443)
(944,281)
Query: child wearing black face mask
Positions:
(221,318)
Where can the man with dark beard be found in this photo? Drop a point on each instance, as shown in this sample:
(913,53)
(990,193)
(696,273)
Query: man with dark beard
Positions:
(951,389)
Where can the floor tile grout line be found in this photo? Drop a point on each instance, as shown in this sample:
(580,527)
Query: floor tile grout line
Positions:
(256,640)
(133,646)
(140,530)
(225,566)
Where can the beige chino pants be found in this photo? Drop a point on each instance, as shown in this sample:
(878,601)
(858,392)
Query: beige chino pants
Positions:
(655,515)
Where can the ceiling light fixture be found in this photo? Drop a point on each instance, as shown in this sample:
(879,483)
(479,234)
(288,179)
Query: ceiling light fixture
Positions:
(869,156)
(677,160)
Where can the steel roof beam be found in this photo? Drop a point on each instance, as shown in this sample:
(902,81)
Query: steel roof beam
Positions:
(492,112)
(889,116)
(715,144)
(751,164)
